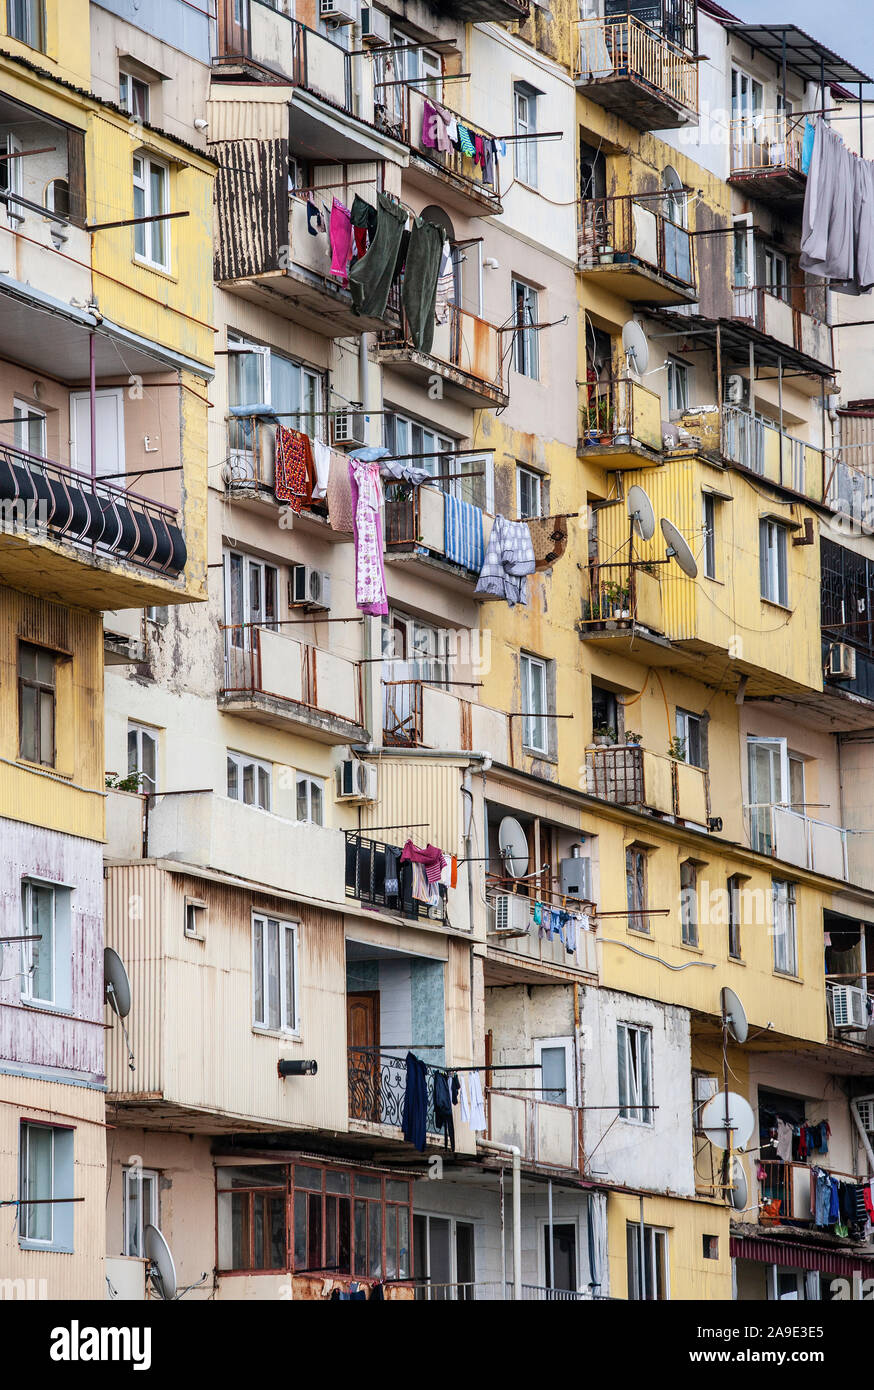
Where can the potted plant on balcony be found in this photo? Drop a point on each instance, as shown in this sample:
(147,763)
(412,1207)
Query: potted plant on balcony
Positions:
(605,255)
(604,736)
(615,600)
(632,738)
(677,750)
(604,419)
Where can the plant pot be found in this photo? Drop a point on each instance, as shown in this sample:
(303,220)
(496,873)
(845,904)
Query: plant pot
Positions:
(605,439)
(606,257)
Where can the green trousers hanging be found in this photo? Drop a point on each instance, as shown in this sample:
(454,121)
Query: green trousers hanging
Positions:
(420,281)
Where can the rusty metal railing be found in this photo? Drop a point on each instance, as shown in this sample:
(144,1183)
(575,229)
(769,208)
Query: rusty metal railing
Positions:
(631,230)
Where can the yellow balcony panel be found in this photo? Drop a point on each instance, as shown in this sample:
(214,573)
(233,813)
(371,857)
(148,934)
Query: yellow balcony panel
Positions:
(634,70)
(275,680)
(630,775)
(621,425)
(466,353)
(630,247)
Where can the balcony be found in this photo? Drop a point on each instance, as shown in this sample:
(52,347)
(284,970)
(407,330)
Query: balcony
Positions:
(520,953)
(779,319)
(449,175)
(548,1135)
(621,425)
(378,1089)
(416,534)
(785,1193)
(629,66)
(628,247)
(623,610)
(479,11)
(766,157)
(420,713)
(276,680)
(466,353)
(365,882)
(630,775)
(759,444)
(848,1002)
(789,835)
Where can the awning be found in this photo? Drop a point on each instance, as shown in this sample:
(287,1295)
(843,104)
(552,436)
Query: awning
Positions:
(736,338)
(804,55)
(793,1255)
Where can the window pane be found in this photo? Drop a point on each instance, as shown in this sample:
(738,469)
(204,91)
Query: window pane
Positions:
(374,1238)
(553,1075)
(300,1230)
(289,1019)
(37,1181)
(233,780)
(29,742)
(258,971)
(159,199)
(273,1018)
(46,727)
(361,1237)
(249,783)
(316,815)
(276,1220)
(264,788)
(42,951)
(302,799)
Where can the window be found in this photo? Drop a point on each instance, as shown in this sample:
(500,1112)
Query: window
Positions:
(57,197)
(142,756)
(274,974)
(635,881)
(742,277)
(11,173)
(528,492)
(311,800)
(36,704)
(46,964)
(561,1272)
(436,1240)
(776,274)
(784,927)
(526,348)
(556,1058)
(635,1073)
(605,713)
(195,919)
(735,904)
(535,734)
(647,1251)
(402,435)
(258,376)
(690,737)
(45,1178)
(772,562)
(249,780)
(251,1217)
(30,428)
(140,1196)
(525,124)
(251,599)
(776,778)
(133,95)
(678,386)
(710,1247)
(151,181)
(689,902)
(709,535)
(25,21)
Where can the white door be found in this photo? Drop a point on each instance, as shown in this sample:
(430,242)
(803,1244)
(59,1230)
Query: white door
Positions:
(110,432)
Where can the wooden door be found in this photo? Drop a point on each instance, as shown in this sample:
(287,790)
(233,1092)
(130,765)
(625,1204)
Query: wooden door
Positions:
(362,1031)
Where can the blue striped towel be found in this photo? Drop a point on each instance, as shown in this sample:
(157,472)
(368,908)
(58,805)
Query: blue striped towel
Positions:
(463,534)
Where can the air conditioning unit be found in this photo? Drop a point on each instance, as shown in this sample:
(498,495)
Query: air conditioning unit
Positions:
(355,780)
(736,389)
(849,1007)
(576,877)
(375,26)
(841,662)
(347,427)
(339,11)
(309,588)
(512,915)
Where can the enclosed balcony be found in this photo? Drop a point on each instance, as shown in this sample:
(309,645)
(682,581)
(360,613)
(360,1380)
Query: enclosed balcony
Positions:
(467,353)
(766,157)
(779,319)
(640,61)
(621,424)
(274,679)
(788,834)
(758,443)
(629,246)
(630,775)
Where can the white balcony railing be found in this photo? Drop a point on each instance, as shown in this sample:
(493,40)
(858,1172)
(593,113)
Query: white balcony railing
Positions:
(790,835)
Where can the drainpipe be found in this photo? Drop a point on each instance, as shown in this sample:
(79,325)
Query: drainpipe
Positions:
(372,717)
(516,1154)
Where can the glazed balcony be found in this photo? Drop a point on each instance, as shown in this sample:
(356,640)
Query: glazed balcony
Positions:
(621,425)
(628,65)
(631,775)
(276,680)
(466,353)
(779,319)
(450,176)
(766,157)
(789,835)
(628,246)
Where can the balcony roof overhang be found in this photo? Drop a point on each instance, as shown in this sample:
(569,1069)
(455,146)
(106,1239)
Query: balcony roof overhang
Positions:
(736,338)
(470,390)
(804,55)
(311,300)
(321,130)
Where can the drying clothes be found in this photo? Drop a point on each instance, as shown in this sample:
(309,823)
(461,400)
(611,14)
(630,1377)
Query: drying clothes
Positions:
(465,1104)
(443,1108)
(370,277)
(363,218)
(449,876)
(421,886)
(821,1196)
(465,142)
(415,1111)
(435,128)
(340,510)
(869,1201)
(509,559)
(445,286)
(837,240)
(293,469)
(314,219)
(807,146)
(432,859)
(404,470)
(452,128)
(783,1145)
(370,595)
(488,161)
(570,934)
(322,466)
(834,1210)
(479,147)
(463,534)
(419,292)
(392,867)
(477,1108)
(341,239)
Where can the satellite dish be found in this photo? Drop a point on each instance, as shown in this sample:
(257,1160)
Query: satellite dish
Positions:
(740,1193)
(641,512)
(513,845)
(636,347)
(671,180)
(163,1270)
(116,985)
(678,549)
(734,1014)
(741,1121)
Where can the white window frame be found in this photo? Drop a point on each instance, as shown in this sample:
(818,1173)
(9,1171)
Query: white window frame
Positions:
(25,415)
(684,720)
(784,929)
(133,1177)
(525,124)
(144,234)
(566,1045)
(774,561)
(288,998)
(127,81)
(534,481)
(637,1107)
(61,1186)
(777,274)
(678,386)
(142,732)
(526,343)
(303,779)
(28,948)
(638,919)
(709,505)
(656,1241)
(34,23)
(535,727)
(241,635)
(310,383)
(14,171)
(241,761)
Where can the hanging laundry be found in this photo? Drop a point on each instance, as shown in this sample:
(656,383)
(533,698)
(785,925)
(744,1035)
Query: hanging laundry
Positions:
(435,123)
(392,868)
(341,240)
(404,470)
(807,146)
(509,560)
(464,140)
(570,934)
(449,876)
(477,1108)
(322,460)
(370,595)
(364,219)
(432,859)
(443,1108)
(837,239)
(488,161)
(370,277)
(445,286)
(783,1145)
(415,1111)
(294,469)
(421,888)
(463,534)
(314,219)
(419,292)
(341,513)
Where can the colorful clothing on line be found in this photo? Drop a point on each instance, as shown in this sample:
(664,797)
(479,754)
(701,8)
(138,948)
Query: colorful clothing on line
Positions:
(370,594)
(341,240)
(432,858)
(293,469)
(464,140)
(463,534)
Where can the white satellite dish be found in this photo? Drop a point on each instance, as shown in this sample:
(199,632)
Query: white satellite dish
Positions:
(678,549)
(162,1269)
(513,845)
(734,1015)
(636,347)
(740,1192)
(641,512)
(741,1121)
(116,985)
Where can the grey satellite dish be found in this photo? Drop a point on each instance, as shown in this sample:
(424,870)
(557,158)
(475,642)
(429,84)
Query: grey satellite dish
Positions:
(740,1194)
(163,1270)
(641,512)
(116,985)
(741,1121)
(675,191)
(636,347)
(734,1014)
(678,549)
(513,845)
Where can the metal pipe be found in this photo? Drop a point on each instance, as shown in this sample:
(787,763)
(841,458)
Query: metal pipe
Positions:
(493,1147)
(861,1128)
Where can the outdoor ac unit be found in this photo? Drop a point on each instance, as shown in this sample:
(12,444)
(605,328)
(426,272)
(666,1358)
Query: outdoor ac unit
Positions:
(512,915)
(849,1007)
(576,877)
(355,780)
(309,588)
(347,427)
(340,11)
(375,26)
(841,663)
(736,389)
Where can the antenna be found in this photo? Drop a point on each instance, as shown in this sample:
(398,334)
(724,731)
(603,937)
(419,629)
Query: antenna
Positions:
(678,549)
(636,347)
(734,1016)
(162,1270)
(513,845)
(117,993)
(640,510)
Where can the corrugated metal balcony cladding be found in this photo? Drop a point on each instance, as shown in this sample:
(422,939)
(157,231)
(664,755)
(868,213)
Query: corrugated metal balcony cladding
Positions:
(251,208)
(423,798)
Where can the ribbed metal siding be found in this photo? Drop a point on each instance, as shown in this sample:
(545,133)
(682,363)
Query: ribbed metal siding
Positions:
(251,192)
(247,120)
(135,913)
(423,799)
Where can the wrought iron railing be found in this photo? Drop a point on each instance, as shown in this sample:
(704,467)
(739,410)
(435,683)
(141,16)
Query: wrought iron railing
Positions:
(378,1087)
(366,880)
(626,48)
(631,775)
(631,230)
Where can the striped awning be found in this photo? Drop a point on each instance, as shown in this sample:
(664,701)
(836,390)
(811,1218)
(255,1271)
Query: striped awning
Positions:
(794,1255)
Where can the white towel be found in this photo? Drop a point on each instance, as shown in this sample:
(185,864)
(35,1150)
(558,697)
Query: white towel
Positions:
(477,1109)
(322,460)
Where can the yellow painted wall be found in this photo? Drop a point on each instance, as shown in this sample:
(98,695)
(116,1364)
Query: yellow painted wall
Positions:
(691,1276)
(67,41)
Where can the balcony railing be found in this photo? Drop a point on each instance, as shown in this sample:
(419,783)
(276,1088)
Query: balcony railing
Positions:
(260,660)
(252,31)
(250,459)
(428,1291)
(631,231)
(787,834)
(621,596)
(786,1188)
(621,412)
(770,313)
(400,111)
(365,880)
(625,50)
(759,444)
(630,775)
(549,1134)
(766,144)
(378,1088)
(470,344)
